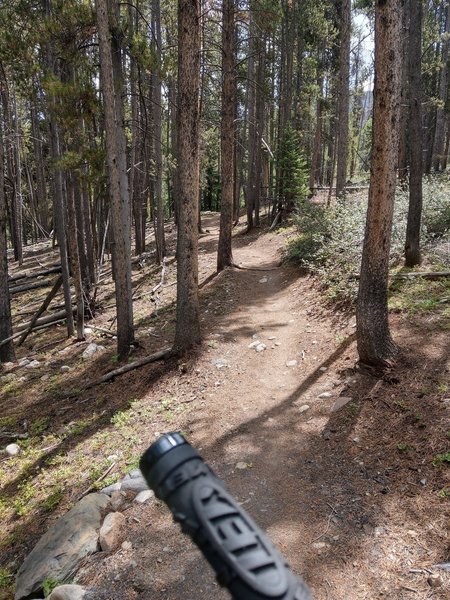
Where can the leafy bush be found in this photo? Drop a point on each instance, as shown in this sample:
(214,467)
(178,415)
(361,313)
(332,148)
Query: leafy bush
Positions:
(330,239)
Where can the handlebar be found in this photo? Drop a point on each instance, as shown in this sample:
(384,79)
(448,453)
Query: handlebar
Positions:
(243,557)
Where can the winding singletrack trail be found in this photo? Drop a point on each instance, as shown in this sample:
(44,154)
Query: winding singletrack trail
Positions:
(315,478)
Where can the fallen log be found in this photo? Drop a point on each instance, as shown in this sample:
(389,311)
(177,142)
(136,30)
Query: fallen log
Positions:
(17,289)
(61,314)
(424,274)
(35,274)
(37,328)
(102,330)
(41,309)
(162,355)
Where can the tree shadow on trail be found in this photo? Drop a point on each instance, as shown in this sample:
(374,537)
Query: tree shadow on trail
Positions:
(67,417)
(342,505)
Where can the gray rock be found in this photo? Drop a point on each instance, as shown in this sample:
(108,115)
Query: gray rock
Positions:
(12,449)
(65,369)
(260,347)
(320,545)
(118,500)
(220,363)
(291,363)
(24,362)
(136,485)
(110,489)
(303,408)
(435,580)
(144,496)
(33,364)
(340,402)
(135,473)
(111,531)
(254,344)
(263,280)
(66,543)
(92,349)
(45,377)
(325,395)
(7,378)
(68,592)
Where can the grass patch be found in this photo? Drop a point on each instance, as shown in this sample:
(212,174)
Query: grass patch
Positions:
(441,459)
(6,579)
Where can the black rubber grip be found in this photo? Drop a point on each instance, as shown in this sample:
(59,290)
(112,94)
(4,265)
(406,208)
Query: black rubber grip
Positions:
(243,557)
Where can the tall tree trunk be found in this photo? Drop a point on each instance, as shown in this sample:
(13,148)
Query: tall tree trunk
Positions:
(18,199)
(41,187)
(75,254)
(343,99)
(187,332)
(110,64)
(318,133)
(7,350)
(60,218)
(404,99)
(439,134)
(259,117)
(375,345)
(59,201)
(173,171)
(251,102)
(157,133)
(224,254)
(412,244)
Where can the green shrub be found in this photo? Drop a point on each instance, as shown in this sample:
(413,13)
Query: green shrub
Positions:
(329,241)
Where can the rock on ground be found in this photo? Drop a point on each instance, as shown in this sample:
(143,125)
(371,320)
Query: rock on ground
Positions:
(12,449)
(111,531)
(59,551)
(68,592)
(91,350)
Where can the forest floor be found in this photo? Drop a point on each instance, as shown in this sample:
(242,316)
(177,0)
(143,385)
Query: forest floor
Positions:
(355,497)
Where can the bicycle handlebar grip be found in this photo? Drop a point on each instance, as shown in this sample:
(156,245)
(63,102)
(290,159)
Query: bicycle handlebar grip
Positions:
(244,559)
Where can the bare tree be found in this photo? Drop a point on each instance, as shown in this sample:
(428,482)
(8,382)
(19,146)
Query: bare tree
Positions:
(7,349)
(344,97)
(412,244)
(224,254)
(112,87)
(187,332)
(375,345)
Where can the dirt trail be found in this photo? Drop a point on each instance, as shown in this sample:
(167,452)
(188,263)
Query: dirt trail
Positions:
(317,480)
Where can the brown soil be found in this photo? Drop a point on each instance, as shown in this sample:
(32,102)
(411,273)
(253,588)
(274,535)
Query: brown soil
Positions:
(351,496)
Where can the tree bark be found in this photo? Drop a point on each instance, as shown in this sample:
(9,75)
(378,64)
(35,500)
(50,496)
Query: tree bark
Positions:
(41,187)
(375,345)
(110,64)
(157,133)
(224,253)
(412,243)
(75,255)
(439,135)
(343,98)
(404,99)
(7,350)
(187,332)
